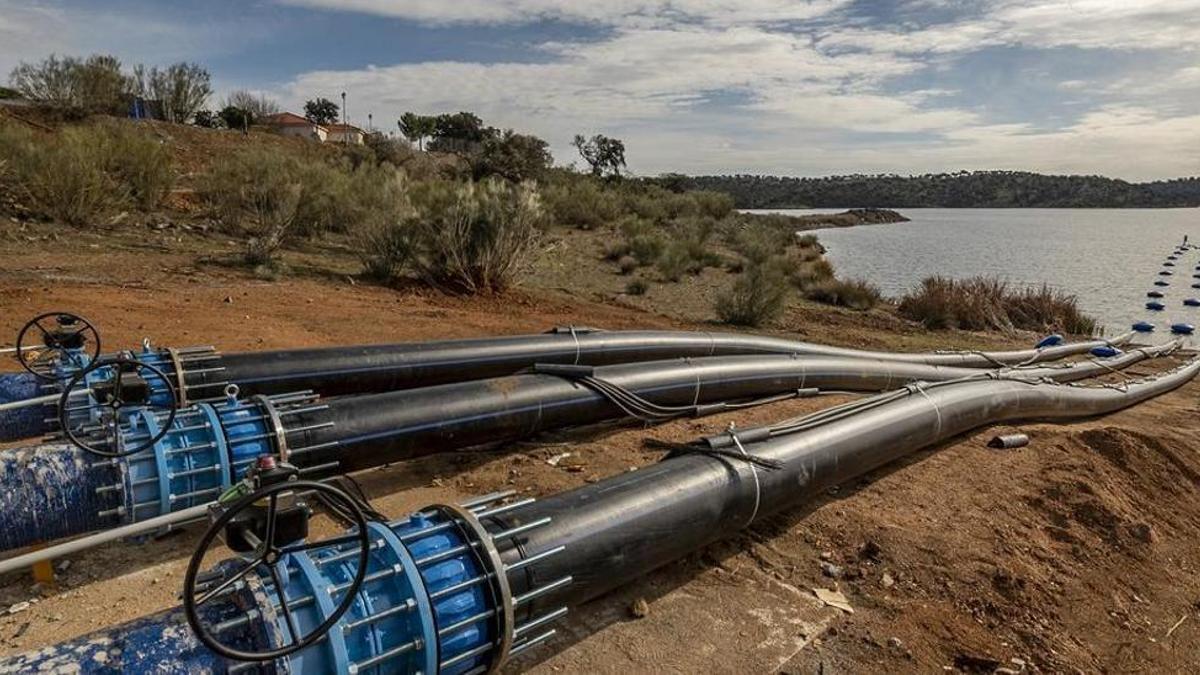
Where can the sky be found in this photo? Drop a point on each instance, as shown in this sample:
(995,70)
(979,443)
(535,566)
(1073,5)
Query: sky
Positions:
(786,87)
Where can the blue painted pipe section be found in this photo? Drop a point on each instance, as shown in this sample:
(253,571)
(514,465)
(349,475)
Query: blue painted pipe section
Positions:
(61,494)
(161,643)
(21,422)
(425,607)
(56,491)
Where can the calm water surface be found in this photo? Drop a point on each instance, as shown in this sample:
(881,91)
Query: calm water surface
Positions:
(1108,258)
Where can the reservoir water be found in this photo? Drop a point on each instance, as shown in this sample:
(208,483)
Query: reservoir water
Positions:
(1108,258)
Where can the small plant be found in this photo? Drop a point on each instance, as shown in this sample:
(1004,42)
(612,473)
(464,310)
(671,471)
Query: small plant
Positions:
(637,287)
(674,262)
(852,293)
(758,296)
(627,264)
(810,273)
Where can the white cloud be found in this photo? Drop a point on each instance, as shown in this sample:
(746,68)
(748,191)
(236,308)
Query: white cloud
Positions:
(607,12)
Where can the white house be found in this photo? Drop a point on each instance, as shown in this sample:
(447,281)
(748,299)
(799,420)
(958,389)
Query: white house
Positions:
(291,124)
(345,133)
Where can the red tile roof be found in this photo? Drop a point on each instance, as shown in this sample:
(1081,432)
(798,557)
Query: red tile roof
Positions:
(287,119)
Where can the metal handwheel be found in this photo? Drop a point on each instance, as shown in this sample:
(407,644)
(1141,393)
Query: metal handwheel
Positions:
(264,520)
(108,405)
(40,340)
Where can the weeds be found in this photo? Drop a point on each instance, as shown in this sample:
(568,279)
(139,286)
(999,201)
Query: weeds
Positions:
(758,296)
(985,303)
(852,293)
(475,237)
(83,174)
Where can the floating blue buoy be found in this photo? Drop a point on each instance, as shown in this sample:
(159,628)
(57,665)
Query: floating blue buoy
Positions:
(1154,294)
(1165,273)
(1168,264)
(1143,327)
(1192,302)
(1160,282)
(1155,305)
(1049,341)
(1108,351)
(1182,328)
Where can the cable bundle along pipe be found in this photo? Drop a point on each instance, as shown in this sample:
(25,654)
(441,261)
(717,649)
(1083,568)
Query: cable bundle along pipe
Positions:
(208,448)
(464,589)
(202,373)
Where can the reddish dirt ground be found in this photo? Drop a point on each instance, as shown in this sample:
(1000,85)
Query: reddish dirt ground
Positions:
(1075,554)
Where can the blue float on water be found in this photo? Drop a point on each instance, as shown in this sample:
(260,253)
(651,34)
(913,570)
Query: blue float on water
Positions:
(1143,327)
(1182,328)
(1154,294)
(1050,341)
(1109,351)
(1165,273)
(1168,264)
(1160,282)
(1192,302)
(1155,305)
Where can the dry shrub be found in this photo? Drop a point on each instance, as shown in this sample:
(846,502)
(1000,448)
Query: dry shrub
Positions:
(808,273)
(757,296)
(82,174)
(475,237)
(985,303)
(852,293)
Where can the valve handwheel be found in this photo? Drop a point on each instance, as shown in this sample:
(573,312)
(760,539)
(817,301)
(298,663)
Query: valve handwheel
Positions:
(55,333)
(266,545)
(129,389)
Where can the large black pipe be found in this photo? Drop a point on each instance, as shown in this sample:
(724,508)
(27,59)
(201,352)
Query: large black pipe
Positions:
(620,528)
(361,432)
(366,431)
(342,370)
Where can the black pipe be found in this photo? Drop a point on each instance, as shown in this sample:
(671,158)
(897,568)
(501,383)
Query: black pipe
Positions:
(367,431)
(621,528)
(342,370)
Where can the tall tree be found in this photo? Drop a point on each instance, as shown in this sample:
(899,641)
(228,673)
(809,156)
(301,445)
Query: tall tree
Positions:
(462,133)
(321,111)
(94,85)
(516,157)
(416,128)
(181,89)
(605,155)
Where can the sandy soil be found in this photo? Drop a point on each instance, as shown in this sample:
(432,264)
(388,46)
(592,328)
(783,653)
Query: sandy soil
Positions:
(1077,553)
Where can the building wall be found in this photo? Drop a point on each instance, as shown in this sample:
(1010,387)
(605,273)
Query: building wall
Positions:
(313,132)
(352,137)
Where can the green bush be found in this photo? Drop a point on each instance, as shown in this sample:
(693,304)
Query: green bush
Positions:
(475,237)
(674,262)
(758,296)
(581,202)
(139,163)
(712,204)
(852,293)
(808,273)
(256,194)
(82,174)
(637,287)
(759,243)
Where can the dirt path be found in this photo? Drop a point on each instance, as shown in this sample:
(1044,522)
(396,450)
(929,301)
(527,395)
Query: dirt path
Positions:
(1077,553)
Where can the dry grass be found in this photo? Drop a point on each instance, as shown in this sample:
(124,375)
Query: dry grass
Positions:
(851,293)
(985,303)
